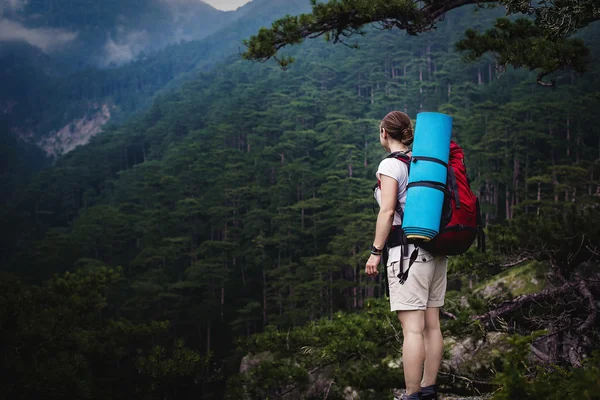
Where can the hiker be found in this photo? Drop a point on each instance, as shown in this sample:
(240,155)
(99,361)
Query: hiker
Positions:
(417,301)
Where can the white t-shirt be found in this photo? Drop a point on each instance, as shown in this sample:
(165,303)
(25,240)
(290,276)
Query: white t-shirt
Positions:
(399,171)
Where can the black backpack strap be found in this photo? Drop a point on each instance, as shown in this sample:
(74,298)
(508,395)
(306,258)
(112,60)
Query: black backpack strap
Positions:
(403,276)
(453,186)
(401,156)
(480,231)
(385,255)
(435,160)
(429,184)
(374,188)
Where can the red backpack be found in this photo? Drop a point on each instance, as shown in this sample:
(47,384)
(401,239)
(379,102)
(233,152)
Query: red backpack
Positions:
(461,221)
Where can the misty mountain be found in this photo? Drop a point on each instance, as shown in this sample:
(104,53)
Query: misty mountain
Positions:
(108,33)
(57,100)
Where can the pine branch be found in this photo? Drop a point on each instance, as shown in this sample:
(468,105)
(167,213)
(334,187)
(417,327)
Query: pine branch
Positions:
(541,44)
(337,19)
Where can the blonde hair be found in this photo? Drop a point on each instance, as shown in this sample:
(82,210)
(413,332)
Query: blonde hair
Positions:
(398,125)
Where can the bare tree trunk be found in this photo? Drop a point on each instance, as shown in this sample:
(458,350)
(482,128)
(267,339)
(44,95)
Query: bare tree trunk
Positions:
(280,301)
(495,201)
(578,146)
(488,199)
(330,294)
(222,301)
(539,196)
(356,273)
(507,202)
(516,172)
(568,137)
(361,294)
(208,329)
(428,61)
(526,177)
(435,88)
(264,279)
(554,178)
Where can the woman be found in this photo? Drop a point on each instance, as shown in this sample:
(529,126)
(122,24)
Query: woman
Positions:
(418,300)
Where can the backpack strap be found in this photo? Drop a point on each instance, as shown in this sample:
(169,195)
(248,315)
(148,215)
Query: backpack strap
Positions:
(453,186)
(401,156)
(403,276)
(396,236)
(406,159)
(432,159)
(429,184)
(480,232)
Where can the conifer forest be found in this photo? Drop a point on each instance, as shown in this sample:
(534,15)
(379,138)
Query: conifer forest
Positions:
(187,206)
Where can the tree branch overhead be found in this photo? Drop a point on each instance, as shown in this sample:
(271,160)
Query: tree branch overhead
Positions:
(510,41)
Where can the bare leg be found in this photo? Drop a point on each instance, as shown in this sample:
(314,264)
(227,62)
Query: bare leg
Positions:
(413,348)
(434,346)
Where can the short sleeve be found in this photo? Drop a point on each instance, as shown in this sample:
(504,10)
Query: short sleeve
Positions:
(392,168)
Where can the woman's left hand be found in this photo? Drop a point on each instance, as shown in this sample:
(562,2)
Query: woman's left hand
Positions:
(372,265)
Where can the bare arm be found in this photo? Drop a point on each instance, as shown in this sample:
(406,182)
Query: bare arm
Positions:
(385,219)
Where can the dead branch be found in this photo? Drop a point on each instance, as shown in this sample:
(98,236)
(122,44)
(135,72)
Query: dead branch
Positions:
(540,354)
(515,263)
(448,314)
(471,382)
(509,306)
(592,306)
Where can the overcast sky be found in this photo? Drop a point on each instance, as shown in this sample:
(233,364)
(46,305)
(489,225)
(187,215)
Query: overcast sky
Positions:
(226,4)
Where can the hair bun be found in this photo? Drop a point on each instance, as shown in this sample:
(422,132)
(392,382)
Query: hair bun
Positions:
(399,126)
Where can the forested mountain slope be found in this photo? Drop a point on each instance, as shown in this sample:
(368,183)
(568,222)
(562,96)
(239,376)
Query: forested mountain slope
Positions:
(242,202)
(41,105)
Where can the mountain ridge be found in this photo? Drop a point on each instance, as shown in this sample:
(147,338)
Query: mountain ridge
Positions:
(89,90)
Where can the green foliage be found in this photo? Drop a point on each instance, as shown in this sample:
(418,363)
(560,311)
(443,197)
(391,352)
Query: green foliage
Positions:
(522,44)
(59,341)
(522,380)
(243,202)
(357,350)
(537,44)
(569,234)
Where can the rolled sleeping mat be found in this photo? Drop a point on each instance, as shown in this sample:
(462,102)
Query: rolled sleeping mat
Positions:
(427,177)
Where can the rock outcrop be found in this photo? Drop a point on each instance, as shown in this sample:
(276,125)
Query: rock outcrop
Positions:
(76,133)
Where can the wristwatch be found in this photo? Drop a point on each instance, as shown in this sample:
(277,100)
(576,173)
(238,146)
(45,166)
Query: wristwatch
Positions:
(375,251)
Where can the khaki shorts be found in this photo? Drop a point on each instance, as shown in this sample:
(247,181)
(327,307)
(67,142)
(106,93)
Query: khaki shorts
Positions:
(425,286)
